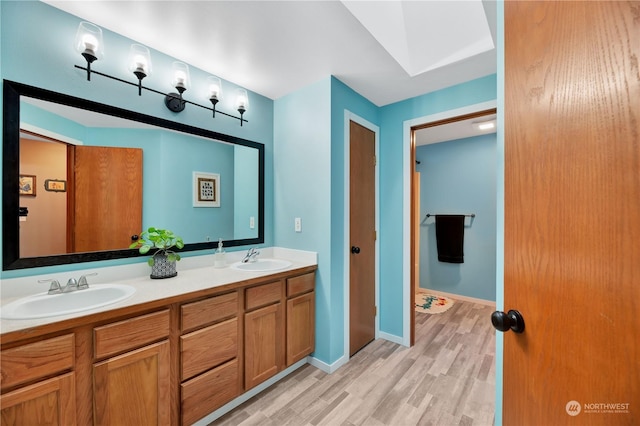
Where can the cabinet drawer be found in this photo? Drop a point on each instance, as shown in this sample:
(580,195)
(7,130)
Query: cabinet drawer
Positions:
(209,391)
(209,347)
(35,360)
(130,334)
(207,311)
(263,295)
(301,284)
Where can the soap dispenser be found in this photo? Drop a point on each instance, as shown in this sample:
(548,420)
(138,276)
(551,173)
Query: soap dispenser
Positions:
(218,257)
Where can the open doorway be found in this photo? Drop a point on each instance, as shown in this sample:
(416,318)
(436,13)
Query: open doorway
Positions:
(433,172)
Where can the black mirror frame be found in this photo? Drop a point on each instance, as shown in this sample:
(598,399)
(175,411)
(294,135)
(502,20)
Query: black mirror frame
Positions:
(11,166)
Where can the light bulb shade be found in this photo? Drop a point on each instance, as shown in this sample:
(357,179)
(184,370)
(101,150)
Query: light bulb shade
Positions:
(242,100)
(214,86)
(89,41)
(181,80)
(139,60)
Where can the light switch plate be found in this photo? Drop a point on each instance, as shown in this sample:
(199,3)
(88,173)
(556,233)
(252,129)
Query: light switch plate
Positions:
(252,222)
(298,224)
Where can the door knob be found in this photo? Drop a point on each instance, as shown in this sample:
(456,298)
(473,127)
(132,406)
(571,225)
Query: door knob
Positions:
(135,237)
(512,320)
(355,250)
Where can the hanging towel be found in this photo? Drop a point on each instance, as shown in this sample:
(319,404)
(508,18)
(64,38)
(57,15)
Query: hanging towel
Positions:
(450,238)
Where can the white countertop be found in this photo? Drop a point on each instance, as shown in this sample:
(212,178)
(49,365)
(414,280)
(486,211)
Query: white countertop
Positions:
(194,274)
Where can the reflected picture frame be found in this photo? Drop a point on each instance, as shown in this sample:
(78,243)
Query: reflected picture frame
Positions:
(206,189)
(27,185)
(55,185)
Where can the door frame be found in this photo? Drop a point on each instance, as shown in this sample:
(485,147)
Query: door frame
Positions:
(408,155)
(348,117)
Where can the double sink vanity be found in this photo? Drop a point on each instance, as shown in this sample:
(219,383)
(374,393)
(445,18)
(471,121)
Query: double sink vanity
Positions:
(157,351)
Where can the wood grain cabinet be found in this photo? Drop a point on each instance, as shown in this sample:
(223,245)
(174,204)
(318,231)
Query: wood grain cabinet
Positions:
(300,317)
(174,365)
(210,371)
(264,333)
(38,400)
(133,388)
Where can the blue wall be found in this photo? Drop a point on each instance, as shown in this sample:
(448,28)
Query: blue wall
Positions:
(302,163)
(309,183)
(49,63)
(460,177)
(391,184)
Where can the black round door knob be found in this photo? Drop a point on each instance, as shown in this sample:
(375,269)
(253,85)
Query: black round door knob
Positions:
(355,250)
(512,320)
(134,237)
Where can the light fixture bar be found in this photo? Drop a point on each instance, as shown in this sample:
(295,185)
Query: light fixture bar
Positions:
(140,86)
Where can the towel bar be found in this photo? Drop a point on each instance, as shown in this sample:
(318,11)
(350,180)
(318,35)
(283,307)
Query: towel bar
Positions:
(468,215)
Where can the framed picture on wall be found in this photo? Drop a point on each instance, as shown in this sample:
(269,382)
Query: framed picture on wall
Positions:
(28,185)
(206,189)
(55,185)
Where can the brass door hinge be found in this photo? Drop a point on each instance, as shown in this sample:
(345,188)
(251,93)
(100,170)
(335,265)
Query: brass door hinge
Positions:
(375,311)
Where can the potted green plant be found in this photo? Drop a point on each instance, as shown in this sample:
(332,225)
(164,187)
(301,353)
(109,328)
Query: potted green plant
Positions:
(163,261)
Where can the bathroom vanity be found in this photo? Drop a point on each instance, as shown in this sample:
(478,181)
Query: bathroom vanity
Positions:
(171,354)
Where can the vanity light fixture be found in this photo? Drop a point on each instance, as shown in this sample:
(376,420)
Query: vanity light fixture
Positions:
(181,81)
(139,63)
(89,43)
(242,102)
(215,92)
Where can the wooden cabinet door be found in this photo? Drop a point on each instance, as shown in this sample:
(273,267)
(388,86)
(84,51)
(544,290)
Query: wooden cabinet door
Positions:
(50,402)
(133,388)
(300,327)
(263,343)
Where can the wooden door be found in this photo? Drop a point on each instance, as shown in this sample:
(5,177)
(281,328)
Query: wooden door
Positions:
(362,301)
(572,213)
(50,402)
(133,388)
(107,197)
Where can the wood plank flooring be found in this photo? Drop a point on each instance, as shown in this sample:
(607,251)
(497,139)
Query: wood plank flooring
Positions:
(447,378)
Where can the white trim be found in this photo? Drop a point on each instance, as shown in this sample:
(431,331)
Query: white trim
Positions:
(459,297)
(48,133)
(328,368)
(406,202)
(391,337)
(349,116)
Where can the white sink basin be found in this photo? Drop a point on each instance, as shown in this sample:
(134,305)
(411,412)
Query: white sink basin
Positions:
(262,265)
(44,305)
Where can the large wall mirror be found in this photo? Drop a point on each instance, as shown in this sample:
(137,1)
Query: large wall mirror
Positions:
(82,179)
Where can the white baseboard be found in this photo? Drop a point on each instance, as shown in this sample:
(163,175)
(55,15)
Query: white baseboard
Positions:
(392,338)
(459,297)
(328,368)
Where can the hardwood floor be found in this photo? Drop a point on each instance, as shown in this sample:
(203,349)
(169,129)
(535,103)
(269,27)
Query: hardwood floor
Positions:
(447,378)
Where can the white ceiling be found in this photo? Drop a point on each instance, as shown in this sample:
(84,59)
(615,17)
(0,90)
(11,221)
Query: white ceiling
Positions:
(387,51)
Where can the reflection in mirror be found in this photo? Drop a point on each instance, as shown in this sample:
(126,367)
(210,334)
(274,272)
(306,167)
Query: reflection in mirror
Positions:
(103,174)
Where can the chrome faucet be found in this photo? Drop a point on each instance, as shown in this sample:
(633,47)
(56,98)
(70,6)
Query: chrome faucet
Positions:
(251,255)
(82,282)
(72,284)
